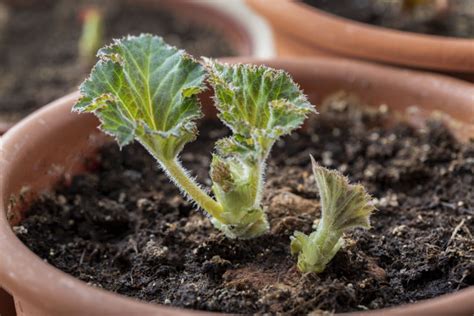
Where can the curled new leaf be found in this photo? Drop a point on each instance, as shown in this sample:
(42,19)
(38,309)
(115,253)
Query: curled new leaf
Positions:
(343,206)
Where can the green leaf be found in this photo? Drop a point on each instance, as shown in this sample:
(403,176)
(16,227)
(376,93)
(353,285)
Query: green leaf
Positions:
(343,205)
(145,89)
(258,103)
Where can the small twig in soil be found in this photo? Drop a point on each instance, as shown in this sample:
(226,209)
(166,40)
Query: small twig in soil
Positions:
(134,245)
(449,205)
(464,275)
(455,231)
(467,231)
(81,260)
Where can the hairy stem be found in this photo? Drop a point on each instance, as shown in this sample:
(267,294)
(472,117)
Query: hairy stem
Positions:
(258,181)
(318,249)
(184,181)
(181,177)
(328,241)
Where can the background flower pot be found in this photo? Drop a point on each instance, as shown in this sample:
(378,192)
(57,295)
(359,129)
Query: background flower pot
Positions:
(244,29)
(53,143)
(244,32)
(302,30)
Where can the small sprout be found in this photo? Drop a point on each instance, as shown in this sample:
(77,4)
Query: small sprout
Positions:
(143,89)
(343,206)
(92,34)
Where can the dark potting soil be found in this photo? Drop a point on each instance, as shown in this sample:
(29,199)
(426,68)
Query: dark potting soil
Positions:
(39,55)
(457,22)
(124,227)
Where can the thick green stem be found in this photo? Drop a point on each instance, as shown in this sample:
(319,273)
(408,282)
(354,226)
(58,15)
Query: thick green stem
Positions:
(256,183)
(325,243)
(317,249)
(326,240)
(179,175)
(237,186)
(258,179)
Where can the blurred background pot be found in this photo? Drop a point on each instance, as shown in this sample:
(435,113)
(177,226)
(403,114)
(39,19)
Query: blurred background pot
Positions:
(53,143)
(303,30)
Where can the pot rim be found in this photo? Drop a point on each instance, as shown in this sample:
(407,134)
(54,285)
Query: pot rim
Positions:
(32,284)
(340,35)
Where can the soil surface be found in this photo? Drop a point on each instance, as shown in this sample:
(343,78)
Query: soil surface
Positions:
(39,55)
(457,21)
(124,227)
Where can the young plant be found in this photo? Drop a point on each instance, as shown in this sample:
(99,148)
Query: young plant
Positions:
(143,89)
(343,207)
(259,105)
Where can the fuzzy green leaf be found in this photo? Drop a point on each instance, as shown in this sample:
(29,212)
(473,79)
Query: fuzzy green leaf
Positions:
(343,206)
(144,89)
(258,103)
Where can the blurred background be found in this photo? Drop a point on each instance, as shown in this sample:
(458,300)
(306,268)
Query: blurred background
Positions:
(48,46)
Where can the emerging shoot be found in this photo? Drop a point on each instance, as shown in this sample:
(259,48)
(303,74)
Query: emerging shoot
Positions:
(143,89)
(343,206)
(92,34)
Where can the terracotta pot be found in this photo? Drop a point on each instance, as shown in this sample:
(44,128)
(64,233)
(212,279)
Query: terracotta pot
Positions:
(248,34)
(302,30)
(53,143)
